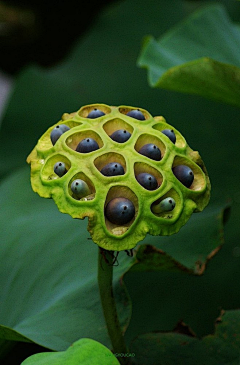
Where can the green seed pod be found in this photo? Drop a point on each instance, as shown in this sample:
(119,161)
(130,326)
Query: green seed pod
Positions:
(138,210)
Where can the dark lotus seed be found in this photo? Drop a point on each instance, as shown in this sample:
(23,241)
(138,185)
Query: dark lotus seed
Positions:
(150,150)
(57,132)
(112,169)
(120,136)
(148,181)
(136,113)
(87,145)
(120,211)
(55,135)
(184,174)
(95,113)
(80,188)
(170,134)
(60,169)
(64,128)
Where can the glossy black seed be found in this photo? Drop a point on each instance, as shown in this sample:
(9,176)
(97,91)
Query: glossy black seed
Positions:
(170,134)
(64,128)
(120,211)
(136,113)
(55,135)
(95,113)
(60,169)
(57,132)
(150,150)
(87,145)
(80,188)
(184,174)
(112,169)
(121,135)
(148,181)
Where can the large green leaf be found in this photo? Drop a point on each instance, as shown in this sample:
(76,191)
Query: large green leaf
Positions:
(49,267)
(200,56)
(84,352)
(9,334)
(198,241)
(221,348)
(49,272)
(187,250)
(175,293)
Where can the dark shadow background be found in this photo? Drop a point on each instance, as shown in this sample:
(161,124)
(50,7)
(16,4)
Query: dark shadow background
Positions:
(42,31)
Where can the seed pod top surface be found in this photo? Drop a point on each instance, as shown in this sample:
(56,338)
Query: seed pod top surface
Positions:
(101,189)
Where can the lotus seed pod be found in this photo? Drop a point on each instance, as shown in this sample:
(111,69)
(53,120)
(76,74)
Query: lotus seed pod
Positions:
(123,208)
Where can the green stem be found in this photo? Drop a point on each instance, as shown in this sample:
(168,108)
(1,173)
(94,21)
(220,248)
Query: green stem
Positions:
(105,275)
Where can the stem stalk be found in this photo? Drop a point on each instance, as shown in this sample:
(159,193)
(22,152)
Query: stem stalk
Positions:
(105,276)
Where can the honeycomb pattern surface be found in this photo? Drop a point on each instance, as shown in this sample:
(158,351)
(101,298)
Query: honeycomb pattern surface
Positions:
(160,203)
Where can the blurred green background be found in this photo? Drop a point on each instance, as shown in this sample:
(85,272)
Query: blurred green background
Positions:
(72,54)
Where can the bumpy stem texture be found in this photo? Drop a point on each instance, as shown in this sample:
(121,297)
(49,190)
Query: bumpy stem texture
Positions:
(105,275)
